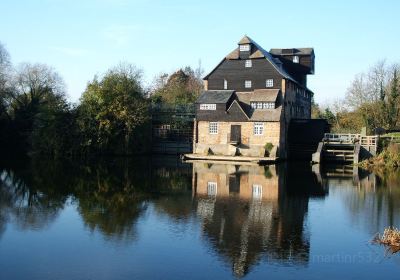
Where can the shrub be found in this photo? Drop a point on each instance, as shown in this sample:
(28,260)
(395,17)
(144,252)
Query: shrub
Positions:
(268,148)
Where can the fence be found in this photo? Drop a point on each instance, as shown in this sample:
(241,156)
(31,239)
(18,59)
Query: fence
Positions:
(172,128)
(365,141)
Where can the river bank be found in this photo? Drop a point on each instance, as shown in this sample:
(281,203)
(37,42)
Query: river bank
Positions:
(388,158)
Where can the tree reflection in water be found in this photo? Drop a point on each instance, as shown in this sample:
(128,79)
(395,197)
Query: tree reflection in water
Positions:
(372,200)
(31,200)
(110,195)
(247,214)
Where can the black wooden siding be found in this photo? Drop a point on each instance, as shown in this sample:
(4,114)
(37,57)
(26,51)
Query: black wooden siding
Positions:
(235,114)
(235,72)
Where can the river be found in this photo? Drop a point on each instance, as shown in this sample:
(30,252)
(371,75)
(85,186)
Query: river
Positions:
(159,218)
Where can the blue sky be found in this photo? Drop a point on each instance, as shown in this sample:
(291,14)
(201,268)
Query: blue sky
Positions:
(83,38)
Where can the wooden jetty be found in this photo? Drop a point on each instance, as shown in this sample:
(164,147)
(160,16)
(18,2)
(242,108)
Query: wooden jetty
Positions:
(237,159)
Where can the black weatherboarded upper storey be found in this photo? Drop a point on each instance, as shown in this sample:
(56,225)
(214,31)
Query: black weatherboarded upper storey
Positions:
(265,65)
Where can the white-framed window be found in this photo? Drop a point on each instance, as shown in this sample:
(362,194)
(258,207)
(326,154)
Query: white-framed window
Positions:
(244,48)
(225,84)
(262,105)
(258,128)
(248,63)
(268,105)
(296,59)
(212,188)
(247,84)
(269,83)
(213,128)
(257,191)
(208,106)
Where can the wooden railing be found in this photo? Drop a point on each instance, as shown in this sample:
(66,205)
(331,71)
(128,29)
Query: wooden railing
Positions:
(369,141)
(342,138)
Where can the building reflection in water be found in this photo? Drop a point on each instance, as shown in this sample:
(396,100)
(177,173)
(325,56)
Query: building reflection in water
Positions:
(252,212)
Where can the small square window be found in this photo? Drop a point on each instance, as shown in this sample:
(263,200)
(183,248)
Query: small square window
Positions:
(248,63)
(253,105)
(258,128)
(259,105)
(244,48)
(296,59)
(269,83)
(247,84)
(213,128)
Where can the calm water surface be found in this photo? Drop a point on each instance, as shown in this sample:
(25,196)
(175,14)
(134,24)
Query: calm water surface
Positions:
(157,218)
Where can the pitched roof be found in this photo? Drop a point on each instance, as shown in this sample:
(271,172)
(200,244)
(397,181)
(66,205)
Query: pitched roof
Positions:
(267,95)
(259,53)
(292,51)
(245,40)
(235,105)
(276,63)
(268,115)
(215,96)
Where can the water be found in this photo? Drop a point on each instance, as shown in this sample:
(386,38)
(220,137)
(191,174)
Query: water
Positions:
(157,218)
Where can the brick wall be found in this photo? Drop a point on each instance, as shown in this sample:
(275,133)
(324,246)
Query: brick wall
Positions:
(271,133)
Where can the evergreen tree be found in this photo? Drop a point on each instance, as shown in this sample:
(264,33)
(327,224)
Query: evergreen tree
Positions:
(393,101)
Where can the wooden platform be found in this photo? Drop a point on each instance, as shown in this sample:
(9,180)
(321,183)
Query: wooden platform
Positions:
(238,159)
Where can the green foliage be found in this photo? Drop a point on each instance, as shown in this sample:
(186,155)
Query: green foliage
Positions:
(372,101)
(181,87)
(268,148)
(393,103)
(267,172)
(36,102)
(113,111)
(388,158)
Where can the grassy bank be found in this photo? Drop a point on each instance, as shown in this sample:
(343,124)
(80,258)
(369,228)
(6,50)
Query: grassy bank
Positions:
(389,158)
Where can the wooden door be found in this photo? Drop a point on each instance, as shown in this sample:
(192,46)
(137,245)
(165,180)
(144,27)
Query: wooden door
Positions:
(235,133)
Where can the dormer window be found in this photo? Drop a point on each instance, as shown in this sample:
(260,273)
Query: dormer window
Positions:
(248,63)
(247,84)
(262,105)
(208,107)
(244,48)
(296,59)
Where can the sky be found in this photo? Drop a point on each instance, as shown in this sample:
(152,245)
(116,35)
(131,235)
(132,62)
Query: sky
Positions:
(84,38)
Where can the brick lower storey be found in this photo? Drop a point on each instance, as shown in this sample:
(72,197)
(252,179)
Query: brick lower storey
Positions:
(250,144)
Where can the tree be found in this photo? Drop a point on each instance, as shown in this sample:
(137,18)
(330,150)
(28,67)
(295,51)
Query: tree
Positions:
(112,110)
(38,93)
(371,95)
(181,87)
(393,101)
(5,71)
(5,76)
